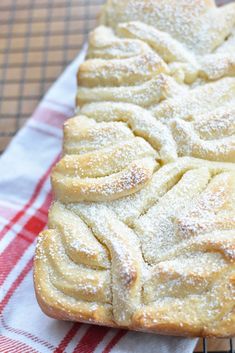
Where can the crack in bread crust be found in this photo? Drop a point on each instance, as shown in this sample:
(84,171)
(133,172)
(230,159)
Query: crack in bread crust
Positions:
(141,234)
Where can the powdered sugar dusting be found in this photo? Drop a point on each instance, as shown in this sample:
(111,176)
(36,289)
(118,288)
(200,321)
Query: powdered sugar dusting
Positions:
(143,232)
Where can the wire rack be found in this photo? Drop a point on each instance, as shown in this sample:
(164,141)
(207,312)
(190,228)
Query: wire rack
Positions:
(203,346)
(38,38)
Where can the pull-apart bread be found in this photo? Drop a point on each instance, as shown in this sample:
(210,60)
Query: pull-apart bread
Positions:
(141,234)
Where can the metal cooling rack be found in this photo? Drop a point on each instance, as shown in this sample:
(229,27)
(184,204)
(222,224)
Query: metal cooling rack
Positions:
(38,38)
(205,349)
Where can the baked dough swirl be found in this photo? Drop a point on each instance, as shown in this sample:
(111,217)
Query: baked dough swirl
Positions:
(141,233)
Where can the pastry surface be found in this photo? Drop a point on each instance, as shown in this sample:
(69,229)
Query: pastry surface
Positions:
(141,234)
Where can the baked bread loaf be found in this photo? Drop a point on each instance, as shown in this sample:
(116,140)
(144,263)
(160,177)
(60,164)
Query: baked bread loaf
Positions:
(141,234)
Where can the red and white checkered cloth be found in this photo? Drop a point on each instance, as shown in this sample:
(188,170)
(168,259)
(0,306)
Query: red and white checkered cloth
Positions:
(25,196)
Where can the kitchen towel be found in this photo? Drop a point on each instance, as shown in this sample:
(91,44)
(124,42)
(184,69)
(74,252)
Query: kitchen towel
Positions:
(25,195)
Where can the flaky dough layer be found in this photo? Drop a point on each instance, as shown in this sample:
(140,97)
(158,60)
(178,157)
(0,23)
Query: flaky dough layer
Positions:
(141,234)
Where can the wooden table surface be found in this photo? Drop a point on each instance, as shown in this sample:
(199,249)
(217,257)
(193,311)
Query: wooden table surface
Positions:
(38,38)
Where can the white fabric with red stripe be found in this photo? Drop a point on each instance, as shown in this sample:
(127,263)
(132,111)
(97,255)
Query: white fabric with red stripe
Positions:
(24,200)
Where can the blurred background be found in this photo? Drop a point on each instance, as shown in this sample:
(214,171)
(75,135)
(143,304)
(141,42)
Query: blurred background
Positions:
(38,38)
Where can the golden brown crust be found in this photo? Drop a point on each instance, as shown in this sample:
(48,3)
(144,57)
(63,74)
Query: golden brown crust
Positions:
(142,231)
(184,275)
(146,319)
